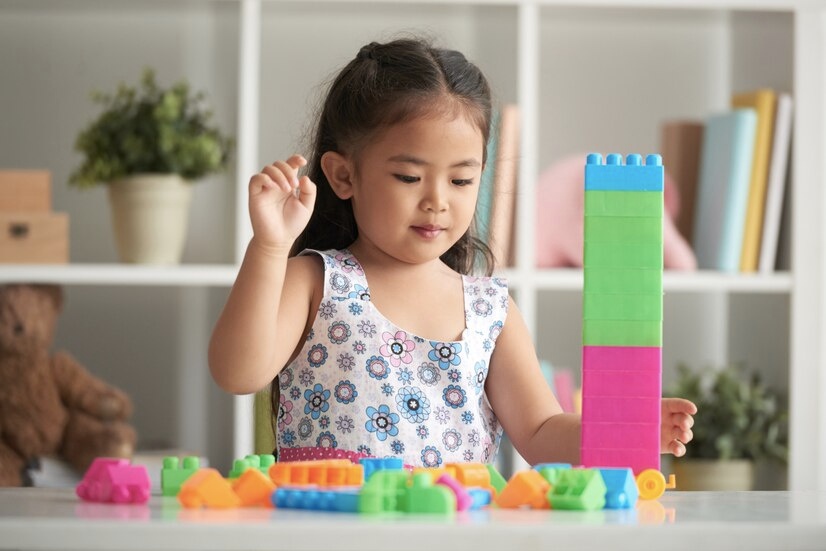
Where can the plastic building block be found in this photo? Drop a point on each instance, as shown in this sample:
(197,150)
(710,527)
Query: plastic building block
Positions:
(621,489)
(254,488)
(651,483)
(373,464)
(525,488)
(470,475)
(578,489)
(207,488)
(111,480)
(480,498)
(496,479)
(390,491)
(425,497)
(325,472)
(261,462)
(173,474)
(463,499)
(551,471)
(632,176)
(316,500)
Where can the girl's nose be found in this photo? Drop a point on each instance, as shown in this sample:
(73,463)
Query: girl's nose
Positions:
(435,199)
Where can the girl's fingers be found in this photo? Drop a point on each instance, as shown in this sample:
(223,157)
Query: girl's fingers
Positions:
(677,448)
(306,192)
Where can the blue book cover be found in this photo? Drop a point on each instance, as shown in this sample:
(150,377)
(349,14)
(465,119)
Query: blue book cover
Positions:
(484,203)
(722,197)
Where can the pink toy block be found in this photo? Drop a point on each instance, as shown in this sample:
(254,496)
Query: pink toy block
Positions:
(638,460)
(611,383)
(636,358)
(113,480)
(621,435)
(463,499)
(626,410)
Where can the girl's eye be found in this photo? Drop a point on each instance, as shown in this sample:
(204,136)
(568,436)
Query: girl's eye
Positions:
(465,182)
(407,179)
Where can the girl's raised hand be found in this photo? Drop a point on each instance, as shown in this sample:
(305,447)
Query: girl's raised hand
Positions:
(280,203)
(677,420)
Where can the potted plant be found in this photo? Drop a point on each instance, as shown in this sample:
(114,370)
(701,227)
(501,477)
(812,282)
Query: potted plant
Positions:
(147,146)
(739,421)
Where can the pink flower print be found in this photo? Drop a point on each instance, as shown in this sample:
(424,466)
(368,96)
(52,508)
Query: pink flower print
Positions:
(339,332)
(452,439)
(397,347)
(348,264)
(482,307)
(284,416)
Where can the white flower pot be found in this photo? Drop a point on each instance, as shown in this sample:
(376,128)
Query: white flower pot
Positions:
(710,474)
(150,213)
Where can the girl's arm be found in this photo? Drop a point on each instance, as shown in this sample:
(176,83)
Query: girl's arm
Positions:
(268,308)
(533,418)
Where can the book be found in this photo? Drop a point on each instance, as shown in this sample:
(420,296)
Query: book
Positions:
(722,195)
(776,186)
(763,102)
(503,208)
(484,202)
(681,143)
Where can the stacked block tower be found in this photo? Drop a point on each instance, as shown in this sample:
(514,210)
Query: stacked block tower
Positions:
(622,312)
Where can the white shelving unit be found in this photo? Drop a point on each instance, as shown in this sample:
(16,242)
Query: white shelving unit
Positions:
(263,55)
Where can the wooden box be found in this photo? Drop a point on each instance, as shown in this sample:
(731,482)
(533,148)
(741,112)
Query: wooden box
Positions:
(34,237)
(25,191)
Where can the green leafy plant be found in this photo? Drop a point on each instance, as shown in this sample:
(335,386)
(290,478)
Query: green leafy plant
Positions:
(149,129)
(738,416)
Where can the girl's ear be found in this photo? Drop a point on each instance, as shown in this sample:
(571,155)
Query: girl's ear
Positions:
(339,172)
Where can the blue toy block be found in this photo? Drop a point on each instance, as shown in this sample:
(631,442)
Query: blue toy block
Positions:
(481,498)
(374,464)
(631,176)
(345,501)
(621,488)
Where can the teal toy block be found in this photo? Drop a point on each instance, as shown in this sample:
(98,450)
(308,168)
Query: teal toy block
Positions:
(261,462)
(311,499)
(175,472)
(623,280)
(624,204)
(622,333)
(621,488)
(628,230)
(634,175)
(578,490)
(374,464)
(496,479)
(622,255)
(632,307)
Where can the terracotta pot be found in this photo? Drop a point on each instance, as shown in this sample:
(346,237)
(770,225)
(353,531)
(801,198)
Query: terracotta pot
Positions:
(711,474)
(150,213)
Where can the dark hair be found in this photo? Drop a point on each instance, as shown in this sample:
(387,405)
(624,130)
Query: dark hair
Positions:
(383,85)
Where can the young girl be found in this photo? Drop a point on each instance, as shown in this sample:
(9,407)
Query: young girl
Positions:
(358,304)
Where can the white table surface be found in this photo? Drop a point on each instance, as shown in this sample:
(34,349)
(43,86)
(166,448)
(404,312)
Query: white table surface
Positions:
(37,518)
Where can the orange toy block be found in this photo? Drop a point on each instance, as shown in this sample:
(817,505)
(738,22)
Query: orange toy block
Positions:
(471,475)
(324,472)
(525,488)
(254,489)
(207,488)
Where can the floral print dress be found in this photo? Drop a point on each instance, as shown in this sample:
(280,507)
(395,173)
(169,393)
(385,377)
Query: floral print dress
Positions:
(362,387)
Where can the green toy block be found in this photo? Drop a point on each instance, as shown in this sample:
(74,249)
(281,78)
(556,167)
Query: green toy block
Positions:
(423,496)
(552,474)
(622,255)
(633,307)
(622,333)
(383,492)
(624,203)
(606,229)
(496,479)
(261,462)
(173,474)
(578,490)
(623,280)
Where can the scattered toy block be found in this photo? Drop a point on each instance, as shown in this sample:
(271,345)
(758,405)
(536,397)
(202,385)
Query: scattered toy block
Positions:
(374,464)
(621,488)
(173,474)
(254,488)
(525,488)
(207,488)
(463,499)
(114,480)
(578,489)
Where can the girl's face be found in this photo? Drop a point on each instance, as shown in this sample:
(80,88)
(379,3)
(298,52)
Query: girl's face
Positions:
(415,188)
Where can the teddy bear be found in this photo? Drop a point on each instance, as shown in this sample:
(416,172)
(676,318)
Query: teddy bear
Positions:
(50,405)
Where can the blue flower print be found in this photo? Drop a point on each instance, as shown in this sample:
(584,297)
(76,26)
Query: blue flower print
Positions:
(327,310)
(359,347)
(324,422)
(355,308)
(495,330)
(452,439)
(431,457)
(346,392)
(397,446)
(346,362)
(482,307)
(445,353)
(454,396)
(454,375)
(285,378)
(422,431)
(387,389)
(295,393)
(306,377)
(413,404)
(316,401)
(288,438)
(405,375)
(467,417)
(339,332)
(360,293)
(339,282)
(310,334)
(474,438)
(480,373)
(429,374)
(317,355)
(365,449)
(467,456)
(305,428)
(501,282)
(345,424)
(326,440)
(442,415)
(382,422)
(378,367)
(367,328)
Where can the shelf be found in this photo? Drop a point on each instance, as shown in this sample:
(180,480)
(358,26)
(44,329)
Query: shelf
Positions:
(204,275)
(673,282)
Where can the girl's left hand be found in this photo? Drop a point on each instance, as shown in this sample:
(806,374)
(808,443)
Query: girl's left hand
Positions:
(677,420)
